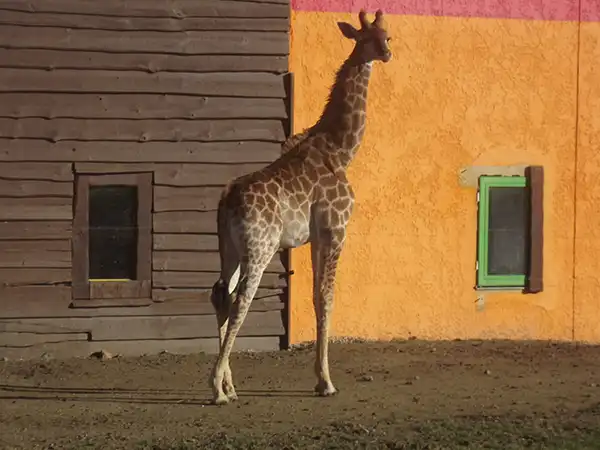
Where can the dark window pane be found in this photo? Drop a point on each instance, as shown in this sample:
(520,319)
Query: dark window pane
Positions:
(508,231)
(113,232)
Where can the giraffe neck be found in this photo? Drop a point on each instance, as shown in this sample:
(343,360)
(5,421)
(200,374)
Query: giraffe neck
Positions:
(344,117)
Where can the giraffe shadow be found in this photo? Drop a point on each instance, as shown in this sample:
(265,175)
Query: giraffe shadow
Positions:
(133,396)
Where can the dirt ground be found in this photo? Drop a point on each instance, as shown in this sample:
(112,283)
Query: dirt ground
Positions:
(405,394)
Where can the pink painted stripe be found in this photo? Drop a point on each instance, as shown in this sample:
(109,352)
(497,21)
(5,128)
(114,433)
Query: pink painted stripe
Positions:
(590,10)
(502,9)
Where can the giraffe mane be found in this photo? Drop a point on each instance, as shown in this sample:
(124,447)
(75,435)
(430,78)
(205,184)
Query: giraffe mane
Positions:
(335,92)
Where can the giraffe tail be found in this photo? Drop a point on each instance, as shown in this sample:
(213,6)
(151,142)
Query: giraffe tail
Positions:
(223,289)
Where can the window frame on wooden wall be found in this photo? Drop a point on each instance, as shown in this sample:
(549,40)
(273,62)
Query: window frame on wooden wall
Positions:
(532,280)
(88,290)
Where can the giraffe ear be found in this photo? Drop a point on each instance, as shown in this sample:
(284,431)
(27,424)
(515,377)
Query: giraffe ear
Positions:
(348,30)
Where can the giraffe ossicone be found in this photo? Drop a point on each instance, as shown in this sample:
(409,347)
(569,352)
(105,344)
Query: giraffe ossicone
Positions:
(302,197)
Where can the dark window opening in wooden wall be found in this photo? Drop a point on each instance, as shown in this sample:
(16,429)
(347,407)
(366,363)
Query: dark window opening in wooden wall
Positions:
(112,241)
(113,233)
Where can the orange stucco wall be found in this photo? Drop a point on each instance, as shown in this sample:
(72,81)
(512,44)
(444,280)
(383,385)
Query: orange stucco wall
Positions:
(458,93)
(587,238)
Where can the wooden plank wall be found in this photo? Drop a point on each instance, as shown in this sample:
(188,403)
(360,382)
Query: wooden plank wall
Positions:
(193,91)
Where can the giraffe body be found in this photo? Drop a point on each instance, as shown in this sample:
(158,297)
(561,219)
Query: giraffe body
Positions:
(302,197)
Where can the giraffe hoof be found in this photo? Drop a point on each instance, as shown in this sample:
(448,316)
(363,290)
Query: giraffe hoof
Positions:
(232,396)
(324,390)
(221,400)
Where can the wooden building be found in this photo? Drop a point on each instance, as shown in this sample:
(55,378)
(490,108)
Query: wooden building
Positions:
(119,127)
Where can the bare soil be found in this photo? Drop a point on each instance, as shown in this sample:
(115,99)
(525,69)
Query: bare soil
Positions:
(401,394)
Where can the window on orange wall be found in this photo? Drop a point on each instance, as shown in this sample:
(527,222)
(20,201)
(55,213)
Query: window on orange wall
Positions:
(510,231)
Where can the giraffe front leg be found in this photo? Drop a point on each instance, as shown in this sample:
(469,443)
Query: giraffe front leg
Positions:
(327,254)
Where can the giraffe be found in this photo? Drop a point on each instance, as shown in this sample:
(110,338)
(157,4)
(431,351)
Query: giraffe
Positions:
(302,197)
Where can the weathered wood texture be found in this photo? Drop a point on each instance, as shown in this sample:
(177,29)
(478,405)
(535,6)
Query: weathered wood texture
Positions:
(139,62)
(191,93)
(177,42)
(35,230)
(206,280)
(138,106)
(257,323)
(35,254)
(175,174)
(142,131)
(244,84)
(177,9)
(55,301)
(31,188)
(83,349)
(51,171)
(25,339)
(198,261)
(36,208)
(91,22)
(160,152)
(186,242)
(38,276)
(186,198)
(185,222)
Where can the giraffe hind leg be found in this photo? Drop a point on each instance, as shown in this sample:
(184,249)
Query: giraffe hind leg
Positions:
(248,285)
(222,295)
(222,301)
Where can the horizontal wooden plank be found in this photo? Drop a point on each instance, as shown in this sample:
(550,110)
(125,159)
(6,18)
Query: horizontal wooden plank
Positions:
(186,198)
(202,174)
(80,21)
(162,279)
(143,62)
(263,323)
(28,298)
(26,276)
(177,9)
(267,323)
(143,130)
(199,261)
(55,301)
(232,84)
(264,298)
(82,349)
(24,340)
(118,152)
(185,222)
(113,303)
(27,326)
(186,242)
(176,174)
(121,290)
(30,246)
(177,42)
(34,254)
(35,230)
(36,171)
(36,208)
(138,106)
(35,188)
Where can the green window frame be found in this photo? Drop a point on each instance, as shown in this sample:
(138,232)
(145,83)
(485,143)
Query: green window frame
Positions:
(484,279)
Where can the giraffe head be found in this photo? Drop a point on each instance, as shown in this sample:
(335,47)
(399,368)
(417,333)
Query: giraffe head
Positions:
(372,40)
